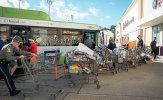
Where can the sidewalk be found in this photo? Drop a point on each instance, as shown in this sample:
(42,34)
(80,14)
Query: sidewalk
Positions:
(143,83)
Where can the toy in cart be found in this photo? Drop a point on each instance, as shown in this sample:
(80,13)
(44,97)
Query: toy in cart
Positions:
(82,61)
(105,60)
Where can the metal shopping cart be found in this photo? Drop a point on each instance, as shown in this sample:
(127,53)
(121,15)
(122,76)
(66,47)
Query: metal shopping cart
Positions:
(132,58)
(119,58)
(35,71)
(105,63)
(85,67)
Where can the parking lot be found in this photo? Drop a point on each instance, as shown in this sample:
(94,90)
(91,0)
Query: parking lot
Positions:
(143,83)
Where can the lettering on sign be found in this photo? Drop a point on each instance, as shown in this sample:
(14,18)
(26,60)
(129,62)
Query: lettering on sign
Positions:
(156,3)
(13,21)
(91,27)
(45,23)
(55,40)
(159,3)
(127,23)
(71,32)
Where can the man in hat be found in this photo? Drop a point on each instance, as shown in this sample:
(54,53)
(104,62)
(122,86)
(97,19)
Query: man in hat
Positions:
(7,55)
(33,47)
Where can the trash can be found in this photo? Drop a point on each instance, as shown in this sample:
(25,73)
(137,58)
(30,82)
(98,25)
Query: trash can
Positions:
(161,50)
(157,50)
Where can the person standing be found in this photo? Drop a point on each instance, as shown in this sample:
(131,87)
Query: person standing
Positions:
(3,41)
(111,46)
(89,43)
(140,42)
(153,47)
(33,47)
(6,55)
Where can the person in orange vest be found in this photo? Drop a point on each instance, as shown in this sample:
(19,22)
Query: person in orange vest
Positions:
(33,47)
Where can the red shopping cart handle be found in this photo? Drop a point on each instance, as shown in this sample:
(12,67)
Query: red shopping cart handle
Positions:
(28,56)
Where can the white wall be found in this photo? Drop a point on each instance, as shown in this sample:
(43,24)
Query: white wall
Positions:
(148,7)
(133,36)
(133,12)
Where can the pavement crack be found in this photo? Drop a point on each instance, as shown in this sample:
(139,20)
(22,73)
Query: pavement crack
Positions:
(65,96)
(80,89)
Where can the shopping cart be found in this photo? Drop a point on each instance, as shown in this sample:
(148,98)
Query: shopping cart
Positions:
(132,58)
(52,64)
(35,71)
(105,64)
(82,62)
(119,58)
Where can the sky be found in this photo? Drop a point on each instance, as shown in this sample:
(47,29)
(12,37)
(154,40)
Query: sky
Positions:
(101,12)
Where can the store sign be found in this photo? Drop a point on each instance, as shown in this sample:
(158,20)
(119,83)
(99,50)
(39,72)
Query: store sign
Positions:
(127,23)
(91,27)
(156,3)
(159,3)
(52,41)
(70,32)
(13,21)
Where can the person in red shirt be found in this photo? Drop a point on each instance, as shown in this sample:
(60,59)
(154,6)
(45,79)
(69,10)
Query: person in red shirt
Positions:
(33,47)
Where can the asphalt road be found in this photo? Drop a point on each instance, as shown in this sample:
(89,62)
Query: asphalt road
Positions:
(143,83)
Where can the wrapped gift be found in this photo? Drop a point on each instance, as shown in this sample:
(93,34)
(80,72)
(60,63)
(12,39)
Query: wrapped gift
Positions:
(80,70)
(85,65)
(74,69)
(81,47)
(120,60)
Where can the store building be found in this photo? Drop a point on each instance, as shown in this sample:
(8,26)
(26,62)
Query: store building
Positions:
(143,17)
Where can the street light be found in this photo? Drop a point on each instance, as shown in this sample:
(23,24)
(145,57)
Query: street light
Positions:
(50,3)
(19,4)
(72,17)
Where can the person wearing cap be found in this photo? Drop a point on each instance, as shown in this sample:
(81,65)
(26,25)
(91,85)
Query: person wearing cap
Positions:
(33,47)
(7,55)
(19,33)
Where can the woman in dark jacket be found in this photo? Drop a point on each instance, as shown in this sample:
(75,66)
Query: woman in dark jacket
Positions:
(111,46)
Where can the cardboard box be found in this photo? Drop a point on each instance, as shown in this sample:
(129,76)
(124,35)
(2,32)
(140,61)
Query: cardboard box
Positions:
(132,45)
(124,42)
(149,62)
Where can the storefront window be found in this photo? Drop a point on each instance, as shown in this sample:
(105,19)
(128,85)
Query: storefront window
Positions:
(156,33)
(56,37)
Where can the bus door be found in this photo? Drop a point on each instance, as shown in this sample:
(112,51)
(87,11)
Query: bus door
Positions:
(91,36)
(25,33)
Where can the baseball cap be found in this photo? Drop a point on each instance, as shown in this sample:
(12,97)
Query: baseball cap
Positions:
(31,40)
(18,39)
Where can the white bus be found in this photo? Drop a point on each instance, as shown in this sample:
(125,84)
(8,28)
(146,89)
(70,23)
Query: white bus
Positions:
(54,34)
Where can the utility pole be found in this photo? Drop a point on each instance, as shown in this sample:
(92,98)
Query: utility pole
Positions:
(50,3)
(72,17)
(19,4)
